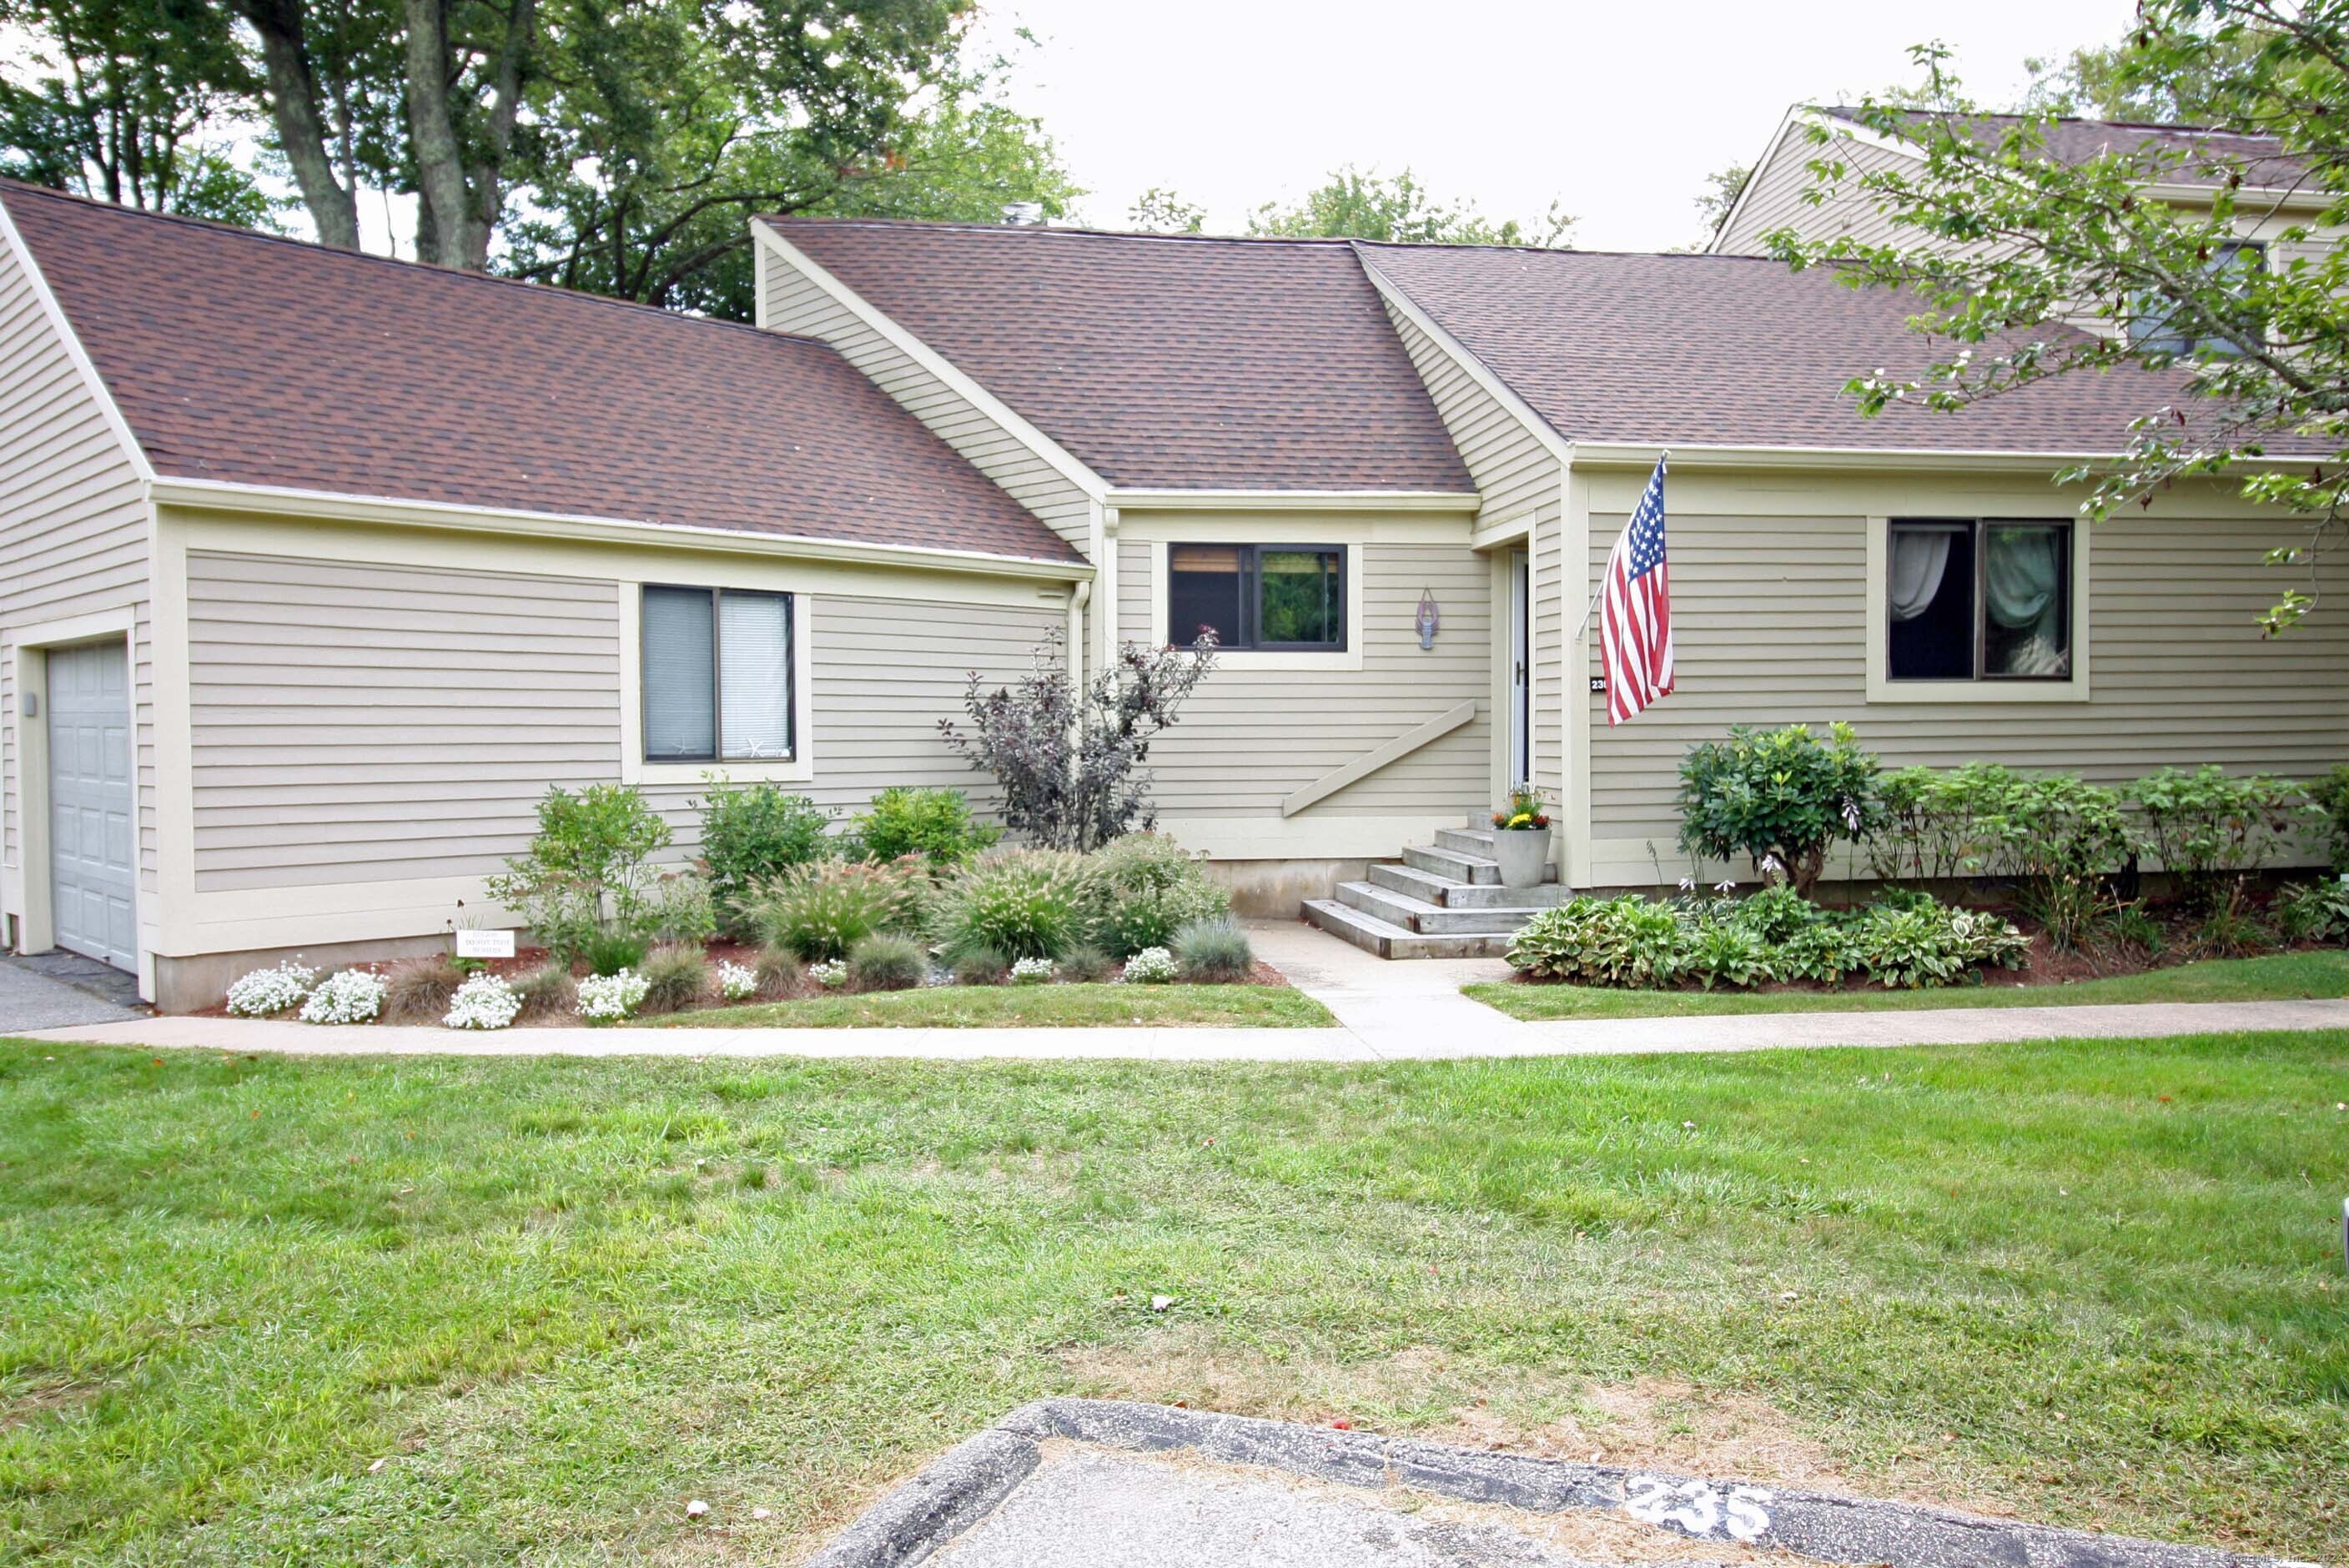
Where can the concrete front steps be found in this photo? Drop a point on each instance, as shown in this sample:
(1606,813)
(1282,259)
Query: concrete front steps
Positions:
(1445,900)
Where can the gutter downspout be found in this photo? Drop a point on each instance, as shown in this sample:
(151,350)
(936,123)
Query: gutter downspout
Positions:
(1078,597)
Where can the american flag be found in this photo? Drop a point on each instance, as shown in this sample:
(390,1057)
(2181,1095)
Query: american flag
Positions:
(1635,609)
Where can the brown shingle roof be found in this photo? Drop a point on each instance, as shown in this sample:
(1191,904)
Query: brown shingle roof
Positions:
(265,361)
(1732,350)
(2211,155)
(1162,360)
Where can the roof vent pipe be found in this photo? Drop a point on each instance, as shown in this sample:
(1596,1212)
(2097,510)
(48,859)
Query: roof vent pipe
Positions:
(1024,214)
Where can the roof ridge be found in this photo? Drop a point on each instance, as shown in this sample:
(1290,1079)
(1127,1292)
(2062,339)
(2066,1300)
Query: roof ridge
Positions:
(1074,230)
(12,188)
(2159,125)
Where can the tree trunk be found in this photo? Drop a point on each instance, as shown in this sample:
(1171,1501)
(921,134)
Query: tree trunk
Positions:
(301,128)
(433,138)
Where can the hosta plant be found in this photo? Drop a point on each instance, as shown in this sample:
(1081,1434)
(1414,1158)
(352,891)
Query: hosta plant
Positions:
(350,996)
(1625,941)
(482,1002)
(1720,952)
(265,991)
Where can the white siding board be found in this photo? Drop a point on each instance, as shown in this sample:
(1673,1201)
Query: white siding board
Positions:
(1774,197)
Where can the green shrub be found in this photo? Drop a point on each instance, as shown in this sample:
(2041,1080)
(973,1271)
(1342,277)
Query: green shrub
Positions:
(981,967)
(545,992)
(1022,904)
(1624,941)
(780,973)
(2063,838)
(1086,964)
(821,909)
(753,833)
(1213,952)
(935,824)
(1781,797)
(1825,953)
(609,952)
(675,978)
(1941,823)
(682,908)
(418,991)
(2330,795)
(1721,951)
(589,868)
(1143,887)
(885,963)
(2210,831)
(2313,912)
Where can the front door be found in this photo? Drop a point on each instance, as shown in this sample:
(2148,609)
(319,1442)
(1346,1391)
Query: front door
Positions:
(1521,713)
(89,803)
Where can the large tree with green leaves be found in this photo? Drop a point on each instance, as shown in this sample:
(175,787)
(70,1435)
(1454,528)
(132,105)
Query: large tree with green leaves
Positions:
(1360,204)
(1998,244)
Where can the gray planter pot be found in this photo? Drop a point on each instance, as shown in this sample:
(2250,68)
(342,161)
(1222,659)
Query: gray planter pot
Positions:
(1521,854)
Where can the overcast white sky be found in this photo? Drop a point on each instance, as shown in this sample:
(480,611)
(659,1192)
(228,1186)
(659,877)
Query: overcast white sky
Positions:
(1621,109)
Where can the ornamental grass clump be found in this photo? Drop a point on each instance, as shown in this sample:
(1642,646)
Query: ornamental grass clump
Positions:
(483,1001)
(675,978)
(779,972)
(546,991)
(608,998)
(1086,964)
(985,966)
(1018,903)
(886,963)
(1145,887)
(265,993)
(1213,952)
(821,911)
(349,997)
(419,990)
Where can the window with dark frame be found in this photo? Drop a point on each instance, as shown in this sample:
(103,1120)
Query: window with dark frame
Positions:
(1977,599)
(717,675)
(2154,326)
(1269,597)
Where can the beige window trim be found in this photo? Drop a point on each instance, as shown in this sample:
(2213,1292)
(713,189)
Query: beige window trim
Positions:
(1883,689)
(799,768)
(1357,544)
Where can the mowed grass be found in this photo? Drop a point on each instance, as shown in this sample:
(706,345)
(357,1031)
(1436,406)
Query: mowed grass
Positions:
(1026,1007)
(440,1310)
(2279,974)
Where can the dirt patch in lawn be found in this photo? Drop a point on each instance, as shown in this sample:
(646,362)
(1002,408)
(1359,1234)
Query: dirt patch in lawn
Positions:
(46,1398)
(1424,1392)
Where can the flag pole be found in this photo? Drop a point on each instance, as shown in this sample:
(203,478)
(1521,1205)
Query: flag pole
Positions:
(1663,459)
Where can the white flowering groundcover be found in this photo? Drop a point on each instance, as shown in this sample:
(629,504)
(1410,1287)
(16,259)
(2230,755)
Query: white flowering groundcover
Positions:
(1150,966)
(351,996)
(735,982)
(483,1001)
(607,997)
(265,991)
(1032,971)
(831,975)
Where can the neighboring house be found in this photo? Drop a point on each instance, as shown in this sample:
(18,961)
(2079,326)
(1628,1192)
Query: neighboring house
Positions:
(2185,165)
(321,568)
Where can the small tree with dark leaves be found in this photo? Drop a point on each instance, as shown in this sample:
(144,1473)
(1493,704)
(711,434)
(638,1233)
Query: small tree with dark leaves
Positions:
(1071,762)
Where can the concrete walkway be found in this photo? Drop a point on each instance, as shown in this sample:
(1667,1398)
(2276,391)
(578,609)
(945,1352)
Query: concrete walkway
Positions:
(1386,1011)
(53,990)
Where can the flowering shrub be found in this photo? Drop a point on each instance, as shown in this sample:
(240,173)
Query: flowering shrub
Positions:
(607,997)
(832,975)
(482,1002)
(1150,966)
(352,996)
(1032,971)
(1780,797)
(267,991)
(736,983)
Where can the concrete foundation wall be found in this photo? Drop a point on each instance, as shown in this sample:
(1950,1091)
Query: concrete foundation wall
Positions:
(1277,890)
(191,984)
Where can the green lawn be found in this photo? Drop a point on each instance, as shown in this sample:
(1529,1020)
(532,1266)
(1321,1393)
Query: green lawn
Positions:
(1011,1006)
(445,1310)
(2214,980)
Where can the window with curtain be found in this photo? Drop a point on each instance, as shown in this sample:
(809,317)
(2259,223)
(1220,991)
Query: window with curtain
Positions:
(1267,596)
(1969,600)
(717,674)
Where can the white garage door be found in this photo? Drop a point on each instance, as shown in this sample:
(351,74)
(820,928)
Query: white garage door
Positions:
(89,801)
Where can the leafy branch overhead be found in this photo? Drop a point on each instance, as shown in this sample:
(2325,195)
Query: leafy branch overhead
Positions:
(2024,266)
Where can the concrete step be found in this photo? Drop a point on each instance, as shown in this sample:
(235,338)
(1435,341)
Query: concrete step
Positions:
(1389,940)
(1427,919)
(1459,868)
(1452,894)
(1475,841)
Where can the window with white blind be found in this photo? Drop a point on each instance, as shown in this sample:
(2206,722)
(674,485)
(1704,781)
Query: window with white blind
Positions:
(717,674)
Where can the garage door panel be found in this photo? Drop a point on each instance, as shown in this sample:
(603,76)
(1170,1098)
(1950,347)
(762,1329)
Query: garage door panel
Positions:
(90,801)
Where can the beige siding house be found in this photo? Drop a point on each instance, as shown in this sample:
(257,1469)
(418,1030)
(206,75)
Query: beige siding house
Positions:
(302,611)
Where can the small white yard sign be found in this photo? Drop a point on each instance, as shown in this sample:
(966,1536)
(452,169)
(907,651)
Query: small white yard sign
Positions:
(485,944)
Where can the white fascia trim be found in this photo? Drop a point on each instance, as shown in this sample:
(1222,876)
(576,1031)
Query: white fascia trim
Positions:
(1064,461)
(81,360)
(327,505)
(1698,454)
(1476,369)
(1294,500)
